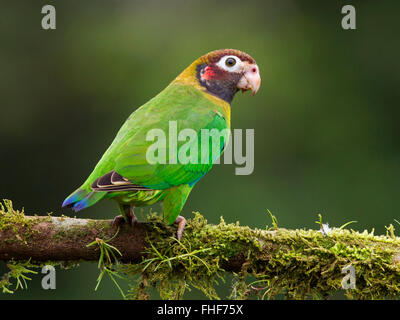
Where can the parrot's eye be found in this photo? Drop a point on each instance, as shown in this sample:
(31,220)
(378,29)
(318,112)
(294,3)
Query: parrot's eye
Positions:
(230,62)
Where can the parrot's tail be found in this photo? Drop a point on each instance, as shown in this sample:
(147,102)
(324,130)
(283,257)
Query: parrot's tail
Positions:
(81,199)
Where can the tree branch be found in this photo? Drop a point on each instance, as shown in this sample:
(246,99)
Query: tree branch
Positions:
(300,261)
(66,239)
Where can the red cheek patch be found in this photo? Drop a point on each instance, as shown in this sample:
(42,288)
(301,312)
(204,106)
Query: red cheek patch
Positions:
(208,73)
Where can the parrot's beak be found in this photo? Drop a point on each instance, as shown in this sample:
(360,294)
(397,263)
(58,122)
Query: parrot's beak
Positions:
(250,80)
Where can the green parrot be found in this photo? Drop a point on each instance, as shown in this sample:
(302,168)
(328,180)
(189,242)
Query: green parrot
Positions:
(198,99)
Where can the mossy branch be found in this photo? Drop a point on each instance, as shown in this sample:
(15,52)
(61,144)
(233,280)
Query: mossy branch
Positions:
(272,260)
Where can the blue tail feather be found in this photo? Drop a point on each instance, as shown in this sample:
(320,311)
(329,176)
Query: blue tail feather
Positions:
(88,201)
(76,196)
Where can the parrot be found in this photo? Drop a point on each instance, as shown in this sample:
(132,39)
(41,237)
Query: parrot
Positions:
(199,98)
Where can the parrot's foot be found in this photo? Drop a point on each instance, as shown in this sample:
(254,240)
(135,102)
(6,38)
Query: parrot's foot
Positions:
(130,218)
(120,220)
(181,221)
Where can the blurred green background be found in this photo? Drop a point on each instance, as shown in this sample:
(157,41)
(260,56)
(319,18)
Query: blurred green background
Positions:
(325,119)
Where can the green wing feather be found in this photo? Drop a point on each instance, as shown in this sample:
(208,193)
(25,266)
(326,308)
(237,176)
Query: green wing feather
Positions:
(127,154)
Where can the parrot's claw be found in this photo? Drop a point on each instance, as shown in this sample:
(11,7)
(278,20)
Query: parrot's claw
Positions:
(118,221)
(181,221)
(134,221)
(131,217)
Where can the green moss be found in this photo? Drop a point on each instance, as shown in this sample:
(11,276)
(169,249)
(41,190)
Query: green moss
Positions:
(70,233)
(20,226)
(80,231)
(103,227)
(173,266)
(298,263)
(21,271)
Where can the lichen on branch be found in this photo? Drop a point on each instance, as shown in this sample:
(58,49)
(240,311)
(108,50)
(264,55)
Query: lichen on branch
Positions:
(265,262)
